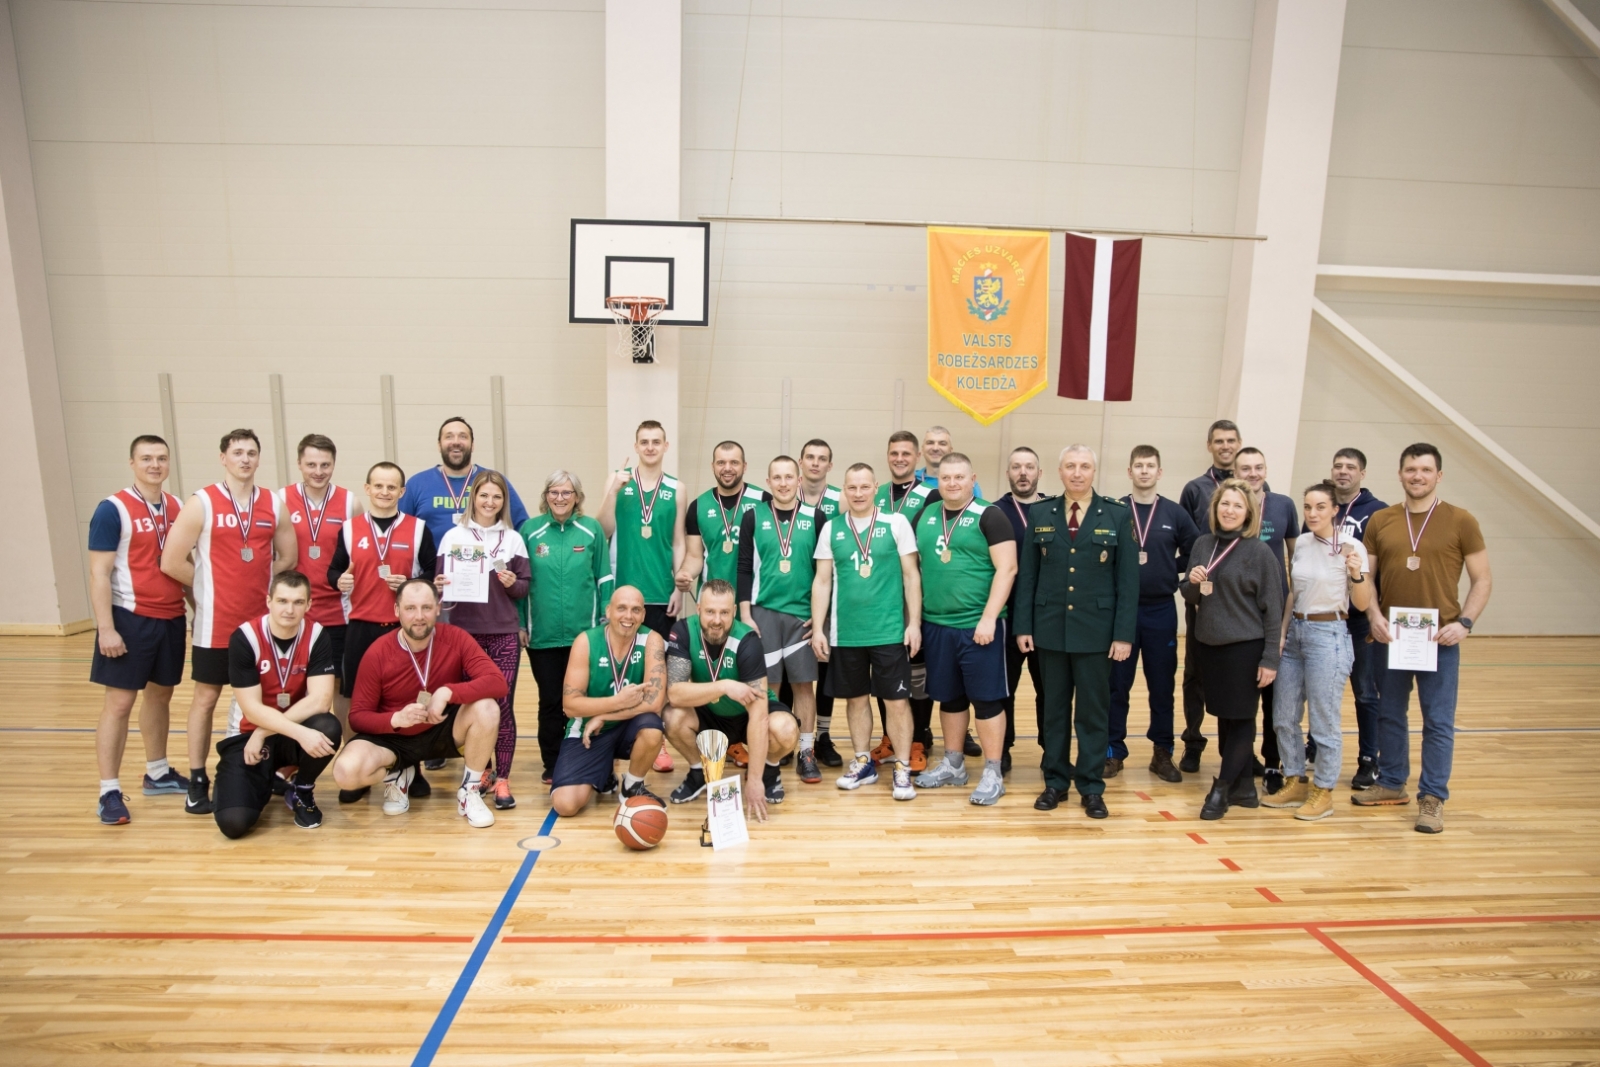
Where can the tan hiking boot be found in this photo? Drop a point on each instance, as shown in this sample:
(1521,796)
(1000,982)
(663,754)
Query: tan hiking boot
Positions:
(1292,795)
(1318,805)
(1381,796)
(1430,815)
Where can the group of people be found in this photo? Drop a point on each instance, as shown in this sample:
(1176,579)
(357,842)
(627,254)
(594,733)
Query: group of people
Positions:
(383,637)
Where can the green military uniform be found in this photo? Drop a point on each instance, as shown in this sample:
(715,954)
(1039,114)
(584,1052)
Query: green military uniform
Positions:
(1075,596)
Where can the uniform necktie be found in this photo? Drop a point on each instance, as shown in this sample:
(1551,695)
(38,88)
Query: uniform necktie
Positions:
(1072,521)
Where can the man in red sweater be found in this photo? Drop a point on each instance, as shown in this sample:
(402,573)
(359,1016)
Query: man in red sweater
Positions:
(427,691)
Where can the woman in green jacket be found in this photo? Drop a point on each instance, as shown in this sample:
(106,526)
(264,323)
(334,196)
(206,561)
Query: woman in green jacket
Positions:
(570,588)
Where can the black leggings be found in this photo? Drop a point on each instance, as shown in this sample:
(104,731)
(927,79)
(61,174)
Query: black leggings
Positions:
(1237,739)
(549,671)
(244,790)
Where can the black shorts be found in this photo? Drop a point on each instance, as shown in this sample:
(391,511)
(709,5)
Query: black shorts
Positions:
(359,636)
(591,766)
(657,619)
(436,742)
(209,666)
(883,671)
(154,656)
(336,636)
(737,727)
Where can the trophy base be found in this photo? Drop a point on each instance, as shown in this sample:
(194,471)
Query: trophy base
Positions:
(705,834)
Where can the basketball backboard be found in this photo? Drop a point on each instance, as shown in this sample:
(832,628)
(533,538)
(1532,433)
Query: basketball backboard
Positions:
(621,257)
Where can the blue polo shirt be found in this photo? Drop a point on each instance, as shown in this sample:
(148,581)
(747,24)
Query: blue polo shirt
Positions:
(429,493)
(932,482)
(1171,535)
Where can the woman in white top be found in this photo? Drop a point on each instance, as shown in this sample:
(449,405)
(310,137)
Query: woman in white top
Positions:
(1327,572)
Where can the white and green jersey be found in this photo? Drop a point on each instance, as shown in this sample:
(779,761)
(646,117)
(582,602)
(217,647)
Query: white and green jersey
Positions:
(780,580)
(868,602)
(829,505)
(605,679)
(955,588)
(718,528)
(910,503)
(641,549)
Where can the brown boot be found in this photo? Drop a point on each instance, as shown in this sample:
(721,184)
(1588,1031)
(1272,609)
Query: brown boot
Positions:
(1292,795)
(1318,805)
(1381,796)
(1112,768)
(1430,815)
(1162,767)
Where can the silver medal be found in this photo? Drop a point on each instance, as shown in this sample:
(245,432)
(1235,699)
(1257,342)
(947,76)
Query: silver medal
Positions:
(315,552)
(283,701)
(247,553)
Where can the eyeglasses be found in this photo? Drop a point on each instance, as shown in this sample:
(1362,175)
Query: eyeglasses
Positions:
(559,494)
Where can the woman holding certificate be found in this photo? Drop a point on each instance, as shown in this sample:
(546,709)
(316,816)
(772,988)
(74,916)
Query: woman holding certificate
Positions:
(483,572)
(1328,572)
(1236,591)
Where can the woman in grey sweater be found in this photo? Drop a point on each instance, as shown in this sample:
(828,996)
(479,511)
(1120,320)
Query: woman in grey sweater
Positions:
(1236,589)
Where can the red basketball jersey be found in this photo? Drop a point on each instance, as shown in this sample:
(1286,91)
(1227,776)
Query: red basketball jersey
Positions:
(372,600)
(317,532)
(280,672)
(229,589)
(137,582)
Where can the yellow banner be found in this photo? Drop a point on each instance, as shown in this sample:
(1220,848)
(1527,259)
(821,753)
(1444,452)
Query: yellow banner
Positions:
(988,317)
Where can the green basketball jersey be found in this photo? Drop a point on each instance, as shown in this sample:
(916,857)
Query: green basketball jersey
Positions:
(719,530)
(644,560)
(783,582)
(954,593)
(602,681)
(910,505)
(830,504)
(868,604)
(703,669)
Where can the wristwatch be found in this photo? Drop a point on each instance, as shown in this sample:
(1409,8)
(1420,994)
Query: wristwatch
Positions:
(1466,622)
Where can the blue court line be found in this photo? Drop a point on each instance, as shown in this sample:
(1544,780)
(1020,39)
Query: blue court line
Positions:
(469,973)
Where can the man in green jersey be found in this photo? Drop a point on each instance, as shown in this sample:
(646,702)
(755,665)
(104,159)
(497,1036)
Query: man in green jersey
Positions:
(643,516)
(969,561)
(711,525)
(775,572)
(866,618)
(614,690)
(1078,604)
(717,680)
(816,461)
(905,494)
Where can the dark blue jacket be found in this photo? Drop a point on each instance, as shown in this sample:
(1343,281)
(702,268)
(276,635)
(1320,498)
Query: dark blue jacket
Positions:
(1171,535)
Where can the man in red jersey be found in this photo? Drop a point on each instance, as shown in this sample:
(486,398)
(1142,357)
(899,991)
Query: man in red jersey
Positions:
(139,614)
(427,691)
(230,538)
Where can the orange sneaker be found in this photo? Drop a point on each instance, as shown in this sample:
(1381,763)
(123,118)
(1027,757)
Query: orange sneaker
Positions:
(919,758)
(663,759)
(884,750)
(738,754)
(503,799)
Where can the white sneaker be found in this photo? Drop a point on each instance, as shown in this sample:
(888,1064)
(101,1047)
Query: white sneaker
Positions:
(903,789)
(942,775)
(991,787)
(469,802)
(397,792)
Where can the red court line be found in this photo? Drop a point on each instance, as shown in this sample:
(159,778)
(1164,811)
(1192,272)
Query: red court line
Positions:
(1167,815)
(1269,894)
(1232,866)
(1197,839)
(1140,795)
(384,939)
(1460,1046)
(1028,934)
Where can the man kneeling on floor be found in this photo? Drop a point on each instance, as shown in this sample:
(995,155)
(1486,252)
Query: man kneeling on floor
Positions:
(615,685)
(425,691)
(281,669)
(717,680)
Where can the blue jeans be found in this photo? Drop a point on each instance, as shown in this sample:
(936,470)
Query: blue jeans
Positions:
(1157,639)
(1311,673)
(1436,692)
(1364,672)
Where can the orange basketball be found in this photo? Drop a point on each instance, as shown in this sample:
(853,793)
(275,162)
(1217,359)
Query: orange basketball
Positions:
(640,822)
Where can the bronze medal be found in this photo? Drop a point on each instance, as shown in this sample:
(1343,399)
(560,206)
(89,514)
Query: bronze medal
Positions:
(1144,557)
(424,697)
(283,701)
(783,566)
(1413,563)
(1104,555)
(1205,588)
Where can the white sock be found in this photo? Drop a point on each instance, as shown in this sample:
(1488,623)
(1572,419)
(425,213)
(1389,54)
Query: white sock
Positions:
(110,785)
(808,742)
(772,763)
(472,779)
(629,779)
(155,768)
(695,767)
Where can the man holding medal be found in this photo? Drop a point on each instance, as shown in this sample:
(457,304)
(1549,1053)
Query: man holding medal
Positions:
(1418,549)
(775,573)
(426,691)
(438,495)
(643,516)
(282,670)
(712,525)
(318,511)
(229,540)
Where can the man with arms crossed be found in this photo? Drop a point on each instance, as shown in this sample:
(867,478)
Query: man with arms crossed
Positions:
(775,573)
(717,680)
(711,526)
(816,461)
(866,617)
(1022,471)
(1222,441)
(281,667)
(1077,602)
(615,687)
(1417,550)
(969,562)
(426,691)
(138,612)
(1280,528)
(1165,534)
(319,511)
(1355,506)
(229,540)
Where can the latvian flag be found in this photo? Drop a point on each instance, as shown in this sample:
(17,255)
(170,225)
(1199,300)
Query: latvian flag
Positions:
(1099,318)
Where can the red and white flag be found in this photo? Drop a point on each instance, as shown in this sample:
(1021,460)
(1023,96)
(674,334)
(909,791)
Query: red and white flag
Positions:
(1099,317)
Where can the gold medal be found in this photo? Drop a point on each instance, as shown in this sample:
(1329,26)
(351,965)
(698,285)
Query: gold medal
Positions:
(423,696)
(283,701)
(944,557)
(1205,588)
(727,547)
(865,570)
(1413,563)
(1144,557)
(646,533)
(783,566)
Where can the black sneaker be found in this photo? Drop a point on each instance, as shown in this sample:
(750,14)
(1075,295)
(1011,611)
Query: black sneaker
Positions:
(280,786)
(1311,750)
(419,785)
(772,779)
(810,773)
(970,746)
(1271,782)
(1190,764)
(351,796)
(307,815)
(638,789)
(693,784)
(610,786)
(198,802)
(827,755)
(113,809)
(432,765)
(785,761)
(1005,763)
(1366,775)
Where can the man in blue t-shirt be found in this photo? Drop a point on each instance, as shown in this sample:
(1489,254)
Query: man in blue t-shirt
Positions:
(439,494)
(1280,528)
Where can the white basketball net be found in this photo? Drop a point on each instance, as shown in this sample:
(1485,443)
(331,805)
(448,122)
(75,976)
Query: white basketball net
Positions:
(635,317)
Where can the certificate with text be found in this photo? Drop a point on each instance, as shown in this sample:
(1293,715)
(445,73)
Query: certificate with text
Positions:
(469,574)
(1413,639)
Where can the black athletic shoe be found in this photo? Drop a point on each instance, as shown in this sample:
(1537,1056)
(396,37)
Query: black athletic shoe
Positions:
(1005,763)
(280,786)
(785,761)
(1190,764)
(772,780)
(810,773)
(610,786)
(693,784)
(198,802)
(1366,775)
(432,765)
(1272,782)
(827,755)
(639,789)
(307,815)
(970,746)
(419,785)
(351,796)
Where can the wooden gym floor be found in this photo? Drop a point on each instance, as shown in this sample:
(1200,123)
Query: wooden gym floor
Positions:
(852,930)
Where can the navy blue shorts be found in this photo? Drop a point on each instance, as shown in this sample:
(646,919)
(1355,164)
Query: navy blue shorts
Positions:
(960,669)
(154,656)
(576,765)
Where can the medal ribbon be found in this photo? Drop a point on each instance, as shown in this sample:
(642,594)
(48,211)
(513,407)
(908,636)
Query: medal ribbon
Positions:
(1215,559)
(618,678)
(1416,538)
(243,519)
(1333,545)
(647,501)
(459,503)
(947,528)
(727,526)
(895,509)
(471,528)
(380,541)
(285,665)
(784,542)
(863,547)
(314,518)
(426,668)
(714,672)
(160,510)
(1143,533)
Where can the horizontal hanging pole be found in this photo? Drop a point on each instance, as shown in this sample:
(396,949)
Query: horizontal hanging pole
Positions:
(1183,235)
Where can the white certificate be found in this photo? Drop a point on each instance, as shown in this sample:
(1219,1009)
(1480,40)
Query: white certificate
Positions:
(1413,639)
(725,812)
(469,579)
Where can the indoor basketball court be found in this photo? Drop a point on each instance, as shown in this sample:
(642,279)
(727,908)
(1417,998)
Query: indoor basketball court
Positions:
(566,312)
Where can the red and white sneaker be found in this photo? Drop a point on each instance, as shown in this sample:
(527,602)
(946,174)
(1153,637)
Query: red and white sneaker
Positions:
(469,802)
